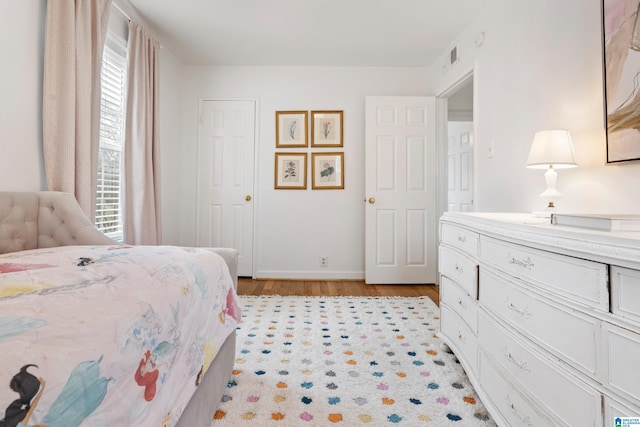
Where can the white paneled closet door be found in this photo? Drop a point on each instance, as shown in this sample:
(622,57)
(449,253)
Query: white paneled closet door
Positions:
(226,146)
(400,214)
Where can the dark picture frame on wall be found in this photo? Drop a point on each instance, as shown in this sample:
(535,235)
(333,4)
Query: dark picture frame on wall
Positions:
(621,42)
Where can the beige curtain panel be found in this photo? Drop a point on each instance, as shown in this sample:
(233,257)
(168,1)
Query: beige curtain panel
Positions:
(74,39)
(142,156)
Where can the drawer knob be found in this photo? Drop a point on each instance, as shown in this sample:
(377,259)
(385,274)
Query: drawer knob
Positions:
(521,311)
(461,337)
(522,365)
(527,263)
(460,303)
(524,418)
(459,268)
(462,238)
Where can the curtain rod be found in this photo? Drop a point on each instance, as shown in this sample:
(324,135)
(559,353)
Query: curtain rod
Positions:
(117,6)
(126,15)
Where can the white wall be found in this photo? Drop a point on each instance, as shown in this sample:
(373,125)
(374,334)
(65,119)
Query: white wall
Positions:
(540,67)
(22,35)
(295,227)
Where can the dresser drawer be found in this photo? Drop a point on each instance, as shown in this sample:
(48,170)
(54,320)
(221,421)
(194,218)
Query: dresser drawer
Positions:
(461,238)
(625,293)
(516,410)
(623,361)
(459,268)
(567,333)
(460,302)
(540,376)
(459,337)
(614,409)
(580,280)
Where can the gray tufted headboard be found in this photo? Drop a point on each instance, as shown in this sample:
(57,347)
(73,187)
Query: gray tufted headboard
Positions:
(44,219)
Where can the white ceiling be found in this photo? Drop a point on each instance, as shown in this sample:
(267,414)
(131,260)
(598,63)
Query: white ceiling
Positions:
(398,33)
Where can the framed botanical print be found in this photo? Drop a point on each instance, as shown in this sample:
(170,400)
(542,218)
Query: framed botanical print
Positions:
(291,129)
(327,170)
(291,171)
(326,129)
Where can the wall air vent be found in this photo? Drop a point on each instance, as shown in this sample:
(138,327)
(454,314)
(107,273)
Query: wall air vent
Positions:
(453,55)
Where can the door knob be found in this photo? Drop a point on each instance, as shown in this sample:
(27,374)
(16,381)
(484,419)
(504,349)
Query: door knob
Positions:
(372,200)
(247,198)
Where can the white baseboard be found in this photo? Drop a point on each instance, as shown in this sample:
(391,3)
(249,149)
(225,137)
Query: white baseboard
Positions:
(311,275)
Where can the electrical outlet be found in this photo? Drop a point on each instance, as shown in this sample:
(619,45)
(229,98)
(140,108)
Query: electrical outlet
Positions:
(324,261)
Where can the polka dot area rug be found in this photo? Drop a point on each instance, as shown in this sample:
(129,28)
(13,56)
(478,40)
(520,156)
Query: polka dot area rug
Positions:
(350,361)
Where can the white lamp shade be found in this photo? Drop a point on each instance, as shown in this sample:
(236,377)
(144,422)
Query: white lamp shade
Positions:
(551,148)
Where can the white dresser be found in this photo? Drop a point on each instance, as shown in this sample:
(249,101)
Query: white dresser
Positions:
(545,319)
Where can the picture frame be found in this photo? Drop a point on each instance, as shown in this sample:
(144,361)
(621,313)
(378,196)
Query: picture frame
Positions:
(327,171)
(621,62)
(291,129)
(326,129)
(290,171)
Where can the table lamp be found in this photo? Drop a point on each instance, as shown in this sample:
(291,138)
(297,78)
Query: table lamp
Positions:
(550,150)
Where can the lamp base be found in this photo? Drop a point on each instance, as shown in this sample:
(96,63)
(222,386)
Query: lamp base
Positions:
(551,208)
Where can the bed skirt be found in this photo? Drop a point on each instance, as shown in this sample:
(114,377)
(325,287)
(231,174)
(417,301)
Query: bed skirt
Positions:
(200,409)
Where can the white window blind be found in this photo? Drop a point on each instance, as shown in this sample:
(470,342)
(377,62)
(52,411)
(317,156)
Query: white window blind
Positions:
(112,104)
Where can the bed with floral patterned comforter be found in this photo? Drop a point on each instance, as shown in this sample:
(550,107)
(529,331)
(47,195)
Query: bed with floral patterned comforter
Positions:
(109,335)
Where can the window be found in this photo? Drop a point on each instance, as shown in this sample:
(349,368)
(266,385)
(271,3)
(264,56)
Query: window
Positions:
(110,151)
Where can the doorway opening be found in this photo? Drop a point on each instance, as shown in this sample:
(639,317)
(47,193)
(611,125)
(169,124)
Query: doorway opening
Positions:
(456,144)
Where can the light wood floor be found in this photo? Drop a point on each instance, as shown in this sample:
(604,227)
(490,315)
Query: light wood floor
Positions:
(247,286)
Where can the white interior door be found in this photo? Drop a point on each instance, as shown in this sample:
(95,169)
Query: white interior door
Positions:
(460,167)
(400,214)
(226,145)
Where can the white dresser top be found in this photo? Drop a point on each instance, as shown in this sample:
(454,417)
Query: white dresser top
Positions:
(612,247)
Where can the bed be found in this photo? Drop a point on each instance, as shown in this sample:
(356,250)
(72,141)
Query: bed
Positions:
(95,333)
